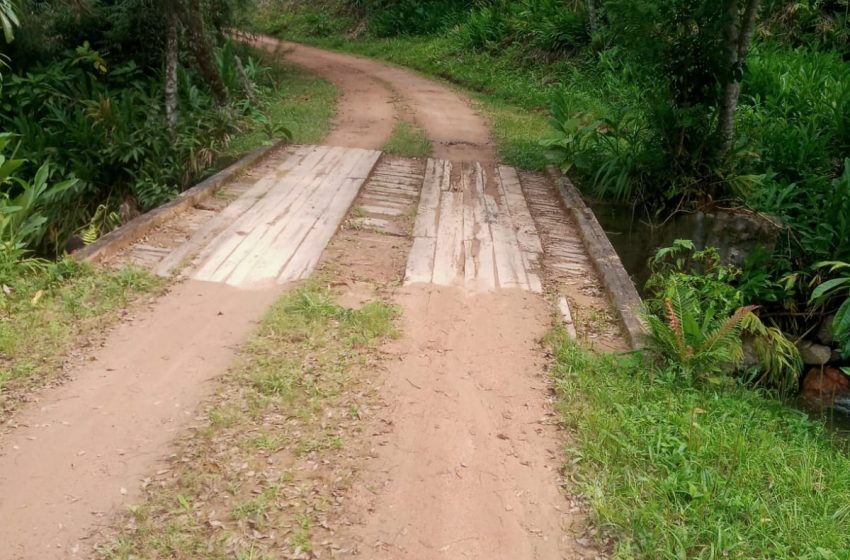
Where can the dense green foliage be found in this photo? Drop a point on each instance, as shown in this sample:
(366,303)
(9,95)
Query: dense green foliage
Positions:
(84,97)
(699,326)
(680,469)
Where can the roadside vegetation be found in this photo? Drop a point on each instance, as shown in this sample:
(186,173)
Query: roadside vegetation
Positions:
(243,484)
(53,312)
(678,468)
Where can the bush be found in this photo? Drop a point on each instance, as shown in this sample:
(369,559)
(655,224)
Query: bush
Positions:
(412,17)
(105,128)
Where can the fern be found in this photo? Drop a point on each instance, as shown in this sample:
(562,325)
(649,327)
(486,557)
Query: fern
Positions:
(102,222)
(692,337)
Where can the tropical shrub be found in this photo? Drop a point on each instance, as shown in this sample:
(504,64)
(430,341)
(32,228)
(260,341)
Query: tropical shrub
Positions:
(105,127)
(23,210)
(837,289)
(698,321)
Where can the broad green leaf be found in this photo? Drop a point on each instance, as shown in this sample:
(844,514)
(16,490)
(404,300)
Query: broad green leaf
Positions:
(828,287)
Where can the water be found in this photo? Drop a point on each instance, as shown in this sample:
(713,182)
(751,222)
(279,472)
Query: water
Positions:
(835,416)
(636,238)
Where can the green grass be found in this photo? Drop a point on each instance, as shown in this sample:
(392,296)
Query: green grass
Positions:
(299,101)
(47,313)
(675,470)
(284,409)
(408,140)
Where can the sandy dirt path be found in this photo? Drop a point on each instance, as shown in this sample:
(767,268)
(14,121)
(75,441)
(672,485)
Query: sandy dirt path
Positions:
(366,113)
(471,466)
(78,455)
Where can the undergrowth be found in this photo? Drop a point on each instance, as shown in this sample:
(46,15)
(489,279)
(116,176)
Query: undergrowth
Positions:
(677,468)
(295,99)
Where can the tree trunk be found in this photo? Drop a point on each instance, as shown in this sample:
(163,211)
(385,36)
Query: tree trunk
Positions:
(171,54)
(193,21)
(246,81)
(737,35)
(593,13)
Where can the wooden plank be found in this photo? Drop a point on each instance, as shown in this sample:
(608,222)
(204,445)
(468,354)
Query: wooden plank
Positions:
(429,198)
(370,190)
(467,186)
(263,261)
(523,225)
(257,262)
(223,245)
(482,245)
(249,229)
(383,210)
(328,219)
(506,251)
(509,183)
(420,261)
(567,317)
(448,256)
(395,187)
(227,216)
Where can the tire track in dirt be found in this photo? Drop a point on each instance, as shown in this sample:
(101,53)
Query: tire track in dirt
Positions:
(366,116)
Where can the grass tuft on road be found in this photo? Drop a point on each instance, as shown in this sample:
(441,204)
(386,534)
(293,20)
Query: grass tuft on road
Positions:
(244,485)
(408,140)
(52,310)
(676,470)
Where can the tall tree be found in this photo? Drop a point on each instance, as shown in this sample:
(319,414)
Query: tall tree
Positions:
(171,54)
(191,16)
(738,32)
(594,12)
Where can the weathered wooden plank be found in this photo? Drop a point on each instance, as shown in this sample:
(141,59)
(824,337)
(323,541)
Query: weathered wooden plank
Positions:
(384,210)
(399,198)
(283,184)
(567,317)
(328,218)
(506,251)
(420,261)
(221,221)
(484,277)
(448,256)
(227,249)
(264,261)
(467,186)
(429,198)
(523,224)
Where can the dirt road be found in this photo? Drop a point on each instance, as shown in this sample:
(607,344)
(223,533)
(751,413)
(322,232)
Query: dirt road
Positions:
(367,113)
(470,468)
